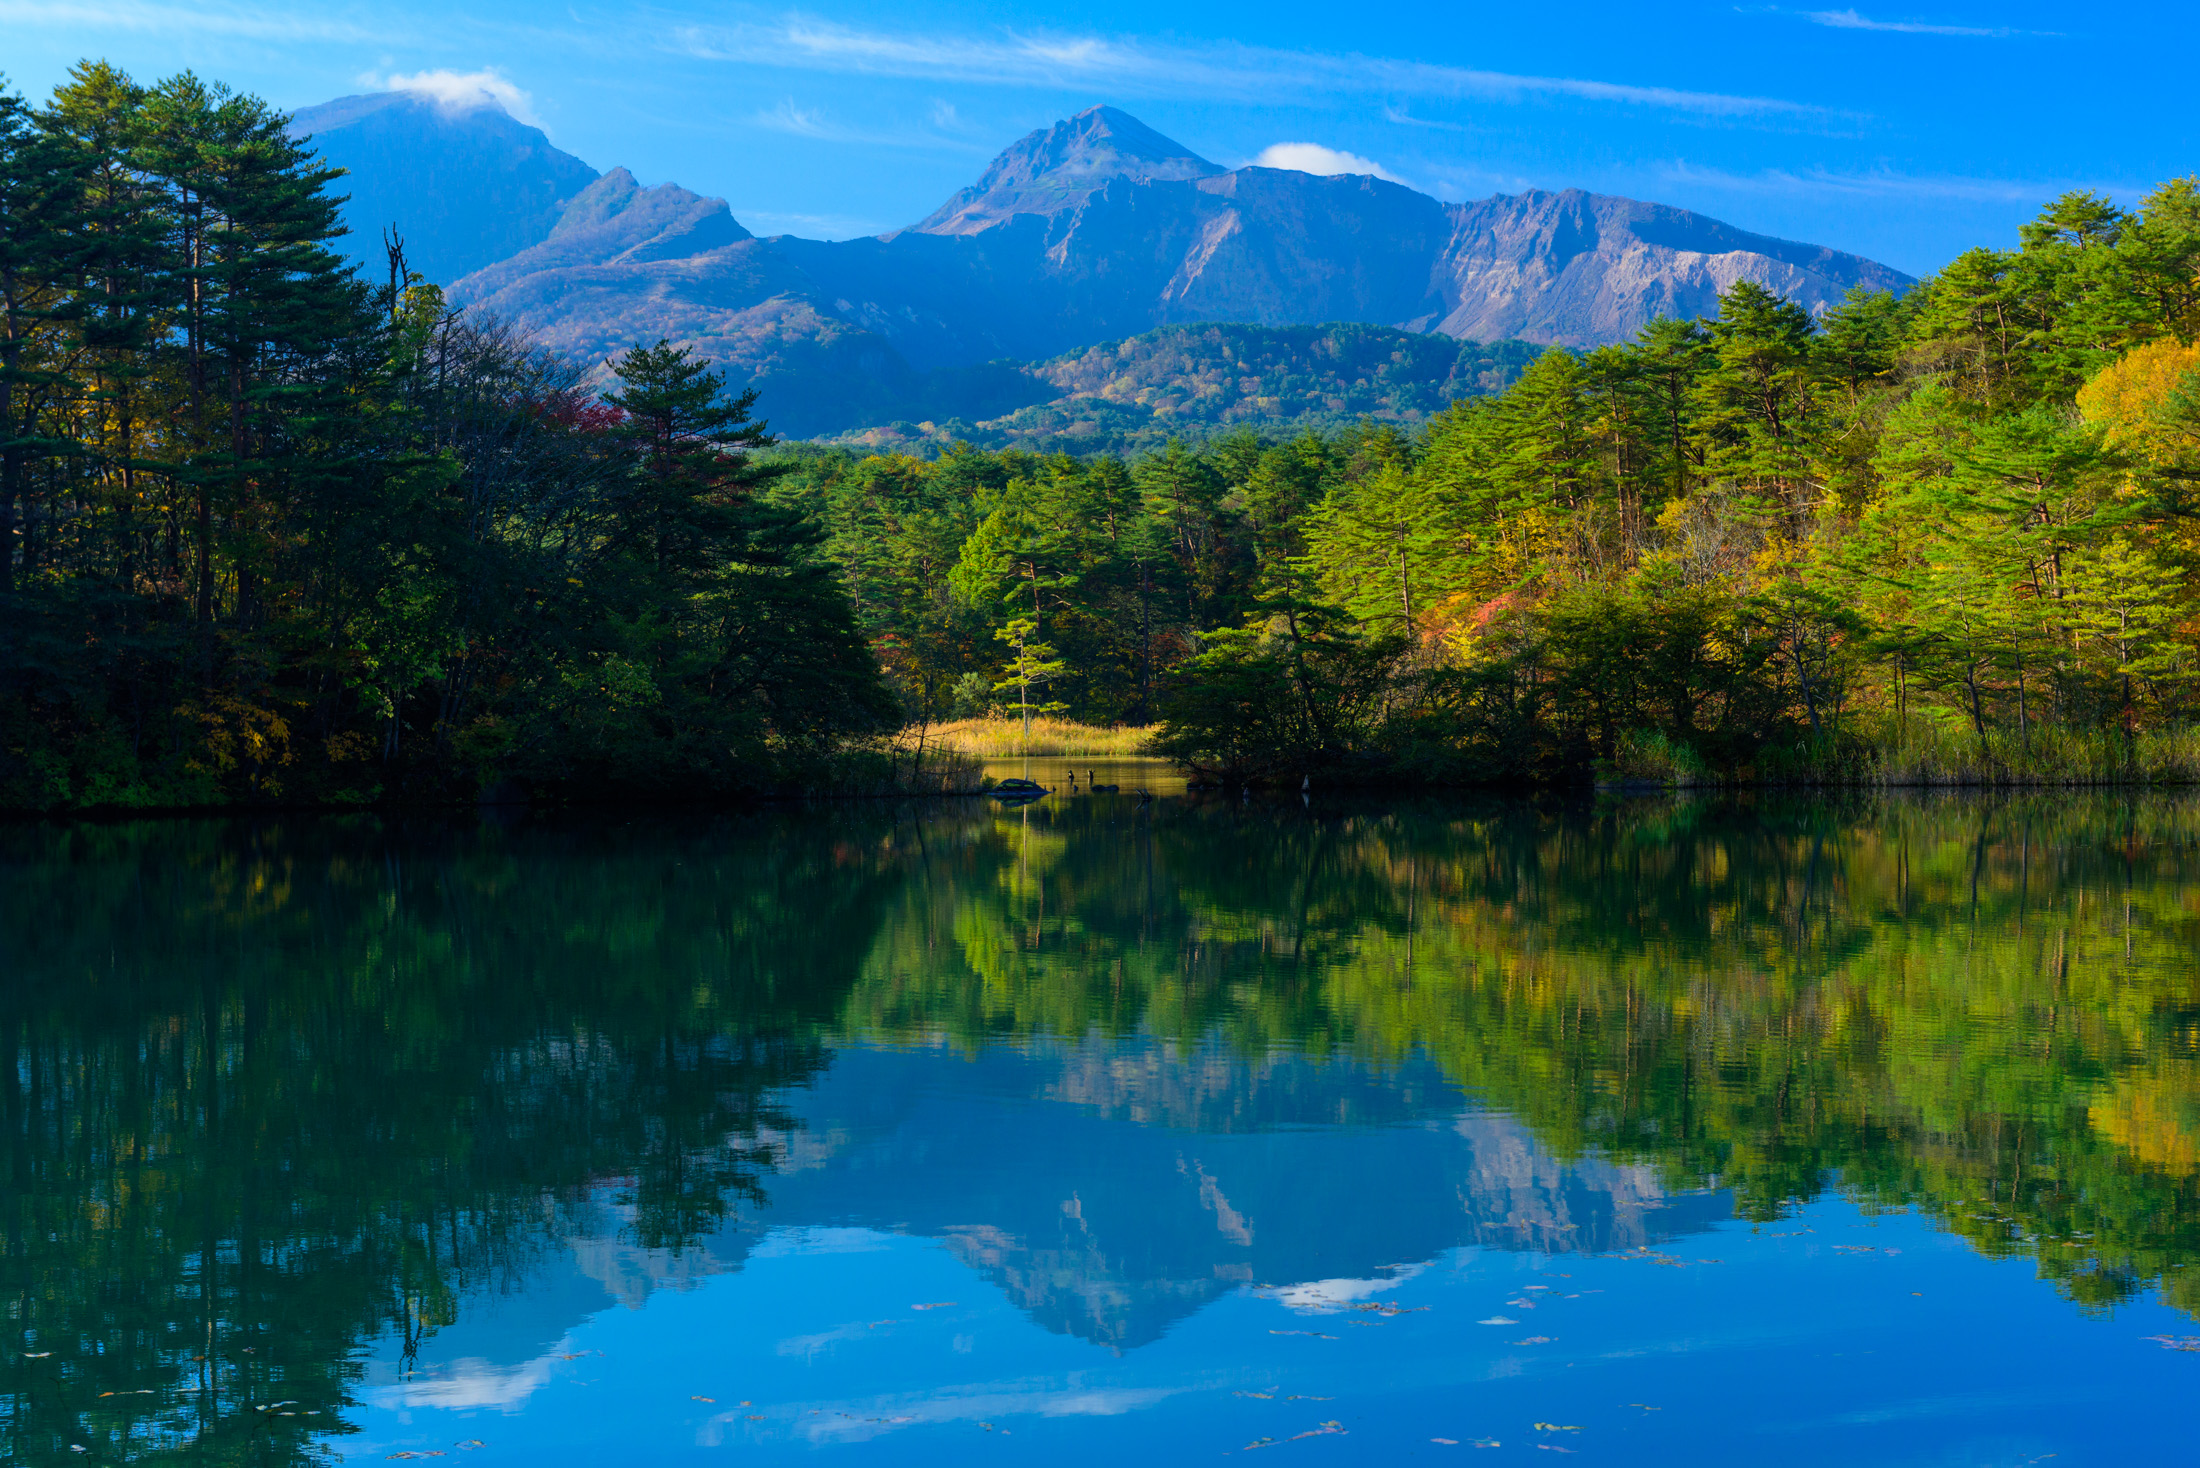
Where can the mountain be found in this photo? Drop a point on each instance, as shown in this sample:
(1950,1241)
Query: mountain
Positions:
(1142,1186)
(465,187)
(1192,382)
(1579,269)
(1059,168)
(614,222)
(1098,229)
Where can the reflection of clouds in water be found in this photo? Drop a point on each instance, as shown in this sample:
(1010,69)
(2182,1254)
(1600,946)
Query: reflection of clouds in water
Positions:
(810,1345)
(836,1422)
(1336,1294)
(468,1383)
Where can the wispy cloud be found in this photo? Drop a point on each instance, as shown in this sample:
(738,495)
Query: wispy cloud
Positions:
(808,122)
(1451,182)
(1849,20)
(810,226)
(462,91)
(1394,113)
(1130,65)
(1314,158)
(948,120)
(245,22)
(1822,183)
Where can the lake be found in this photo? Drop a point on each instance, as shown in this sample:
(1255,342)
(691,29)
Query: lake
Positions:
(1107,1129)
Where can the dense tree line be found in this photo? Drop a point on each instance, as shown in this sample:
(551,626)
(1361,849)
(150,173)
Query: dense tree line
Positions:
(991,580)
(1946,534)
(272,532)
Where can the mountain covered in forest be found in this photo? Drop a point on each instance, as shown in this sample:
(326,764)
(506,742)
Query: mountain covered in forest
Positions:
(1094,230)
(1193,382)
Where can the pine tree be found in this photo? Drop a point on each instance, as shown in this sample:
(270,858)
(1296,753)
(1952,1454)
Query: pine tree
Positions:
(39,236)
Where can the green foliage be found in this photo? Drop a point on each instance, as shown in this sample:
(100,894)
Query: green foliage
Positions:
(1761,545)
(1194,384)
(1781,544)
(268,533)
(1297,689)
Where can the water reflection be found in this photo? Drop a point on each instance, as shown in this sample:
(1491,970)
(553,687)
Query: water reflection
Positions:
(280,1089)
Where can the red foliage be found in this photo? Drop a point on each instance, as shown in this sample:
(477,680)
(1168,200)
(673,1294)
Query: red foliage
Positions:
(586,415)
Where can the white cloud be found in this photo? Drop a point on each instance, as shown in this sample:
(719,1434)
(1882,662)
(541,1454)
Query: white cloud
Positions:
(801,122)
(1132,66)
(1314,158)
(463,91)
(810,122)
(1328,1295)
(1394,113)
(469,1383)
(859,1420)
(1822,183)
(211,19)
(810,226)
(1849,20)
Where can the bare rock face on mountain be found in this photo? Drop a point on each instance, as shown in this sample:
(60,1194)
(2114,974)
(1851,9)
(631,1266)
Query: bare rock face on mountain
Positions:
(1059,167)
(1576,268)
(1096,229)
(464,186)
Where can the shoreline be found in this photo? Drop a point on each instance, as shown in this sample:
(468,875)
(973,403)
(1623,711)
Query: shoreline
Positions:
(1357,790)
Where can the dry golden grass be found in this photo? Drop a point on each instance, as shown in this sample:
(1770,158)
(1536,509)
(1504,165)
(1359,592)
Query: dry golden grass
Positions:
(1004,738)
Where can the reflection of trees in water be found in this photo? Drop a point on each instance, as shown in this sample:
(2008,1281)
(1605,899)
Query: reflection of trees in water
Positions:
(277,1089)
(1985,1007)
(281,1089)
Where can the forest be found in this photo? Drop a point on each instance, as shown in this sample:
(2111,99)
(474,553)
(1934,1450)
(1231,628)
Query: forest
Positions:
(1946,536)
(1193,384)
(277,533)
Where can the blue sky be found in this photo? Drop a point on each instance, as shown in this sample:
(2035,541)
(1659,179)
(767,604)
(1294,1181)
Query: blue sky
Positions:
(1906,134)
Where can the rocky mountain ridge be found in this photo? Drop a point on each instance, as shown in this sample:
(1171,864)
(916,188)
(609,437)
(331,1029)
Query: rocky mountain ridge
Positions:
(1093,230)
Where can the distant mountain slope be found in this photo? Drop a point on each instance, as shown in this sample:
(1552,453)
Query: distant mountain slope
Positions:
(1097,229)
(1192,382)
(615,221)
(466,188)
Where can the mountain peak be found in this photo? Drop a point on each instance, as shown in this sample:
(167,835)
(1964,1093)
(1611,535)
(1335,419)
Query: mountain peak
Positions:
(464,186)
(1059,167)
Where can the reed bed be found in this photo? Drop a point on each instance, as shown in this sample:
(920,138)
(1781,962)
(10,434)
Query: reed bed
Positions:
(1004,739)
(1938,755)
(892,767)
(1928,751)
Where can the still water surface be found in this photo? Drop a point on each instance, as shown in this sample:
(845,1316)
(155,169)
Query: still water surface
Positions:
(1106,1131)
